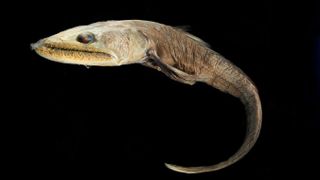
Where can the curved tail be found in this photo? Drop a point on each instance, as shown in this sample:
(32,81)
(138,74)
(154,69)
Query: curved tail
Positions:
(230,79)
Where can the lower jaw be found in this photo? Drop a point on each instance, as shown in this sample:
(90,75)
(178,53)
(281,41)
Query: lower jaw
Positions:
(80,58)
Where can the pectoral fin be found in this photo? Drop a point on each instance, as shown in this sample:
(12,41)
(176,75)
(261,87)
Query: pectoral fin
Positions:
(155,62)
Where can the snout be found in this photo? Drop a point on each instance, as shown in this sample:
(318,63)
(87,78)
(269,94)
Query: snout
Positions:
(35,46)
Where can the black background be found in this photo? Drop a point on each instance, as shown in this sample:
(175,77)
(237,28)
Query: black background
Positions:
(70,121)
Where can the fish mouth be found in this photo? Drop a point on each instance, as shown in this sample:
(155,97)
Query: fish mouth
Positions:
(71,53)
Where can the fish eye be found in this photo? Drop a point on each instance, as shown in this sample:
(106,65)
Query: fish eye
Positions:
(86,38)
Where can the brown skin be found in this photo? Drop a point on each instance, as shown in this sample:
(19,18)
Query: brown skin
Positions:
(179,55)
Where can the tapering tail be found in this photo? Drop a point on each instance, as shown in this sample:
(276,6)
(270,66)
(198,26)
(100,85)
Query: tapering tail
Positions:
(230,79)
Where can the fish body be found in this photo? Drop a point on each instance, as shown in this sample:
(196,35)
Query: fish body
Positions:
(178,54)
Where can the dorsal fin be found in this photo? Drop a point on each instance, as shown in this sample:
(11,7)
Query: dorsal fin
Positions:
(184,29)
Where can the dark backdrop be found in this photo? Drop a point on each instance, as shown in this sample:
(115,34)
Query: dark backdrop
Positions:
(70,121)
